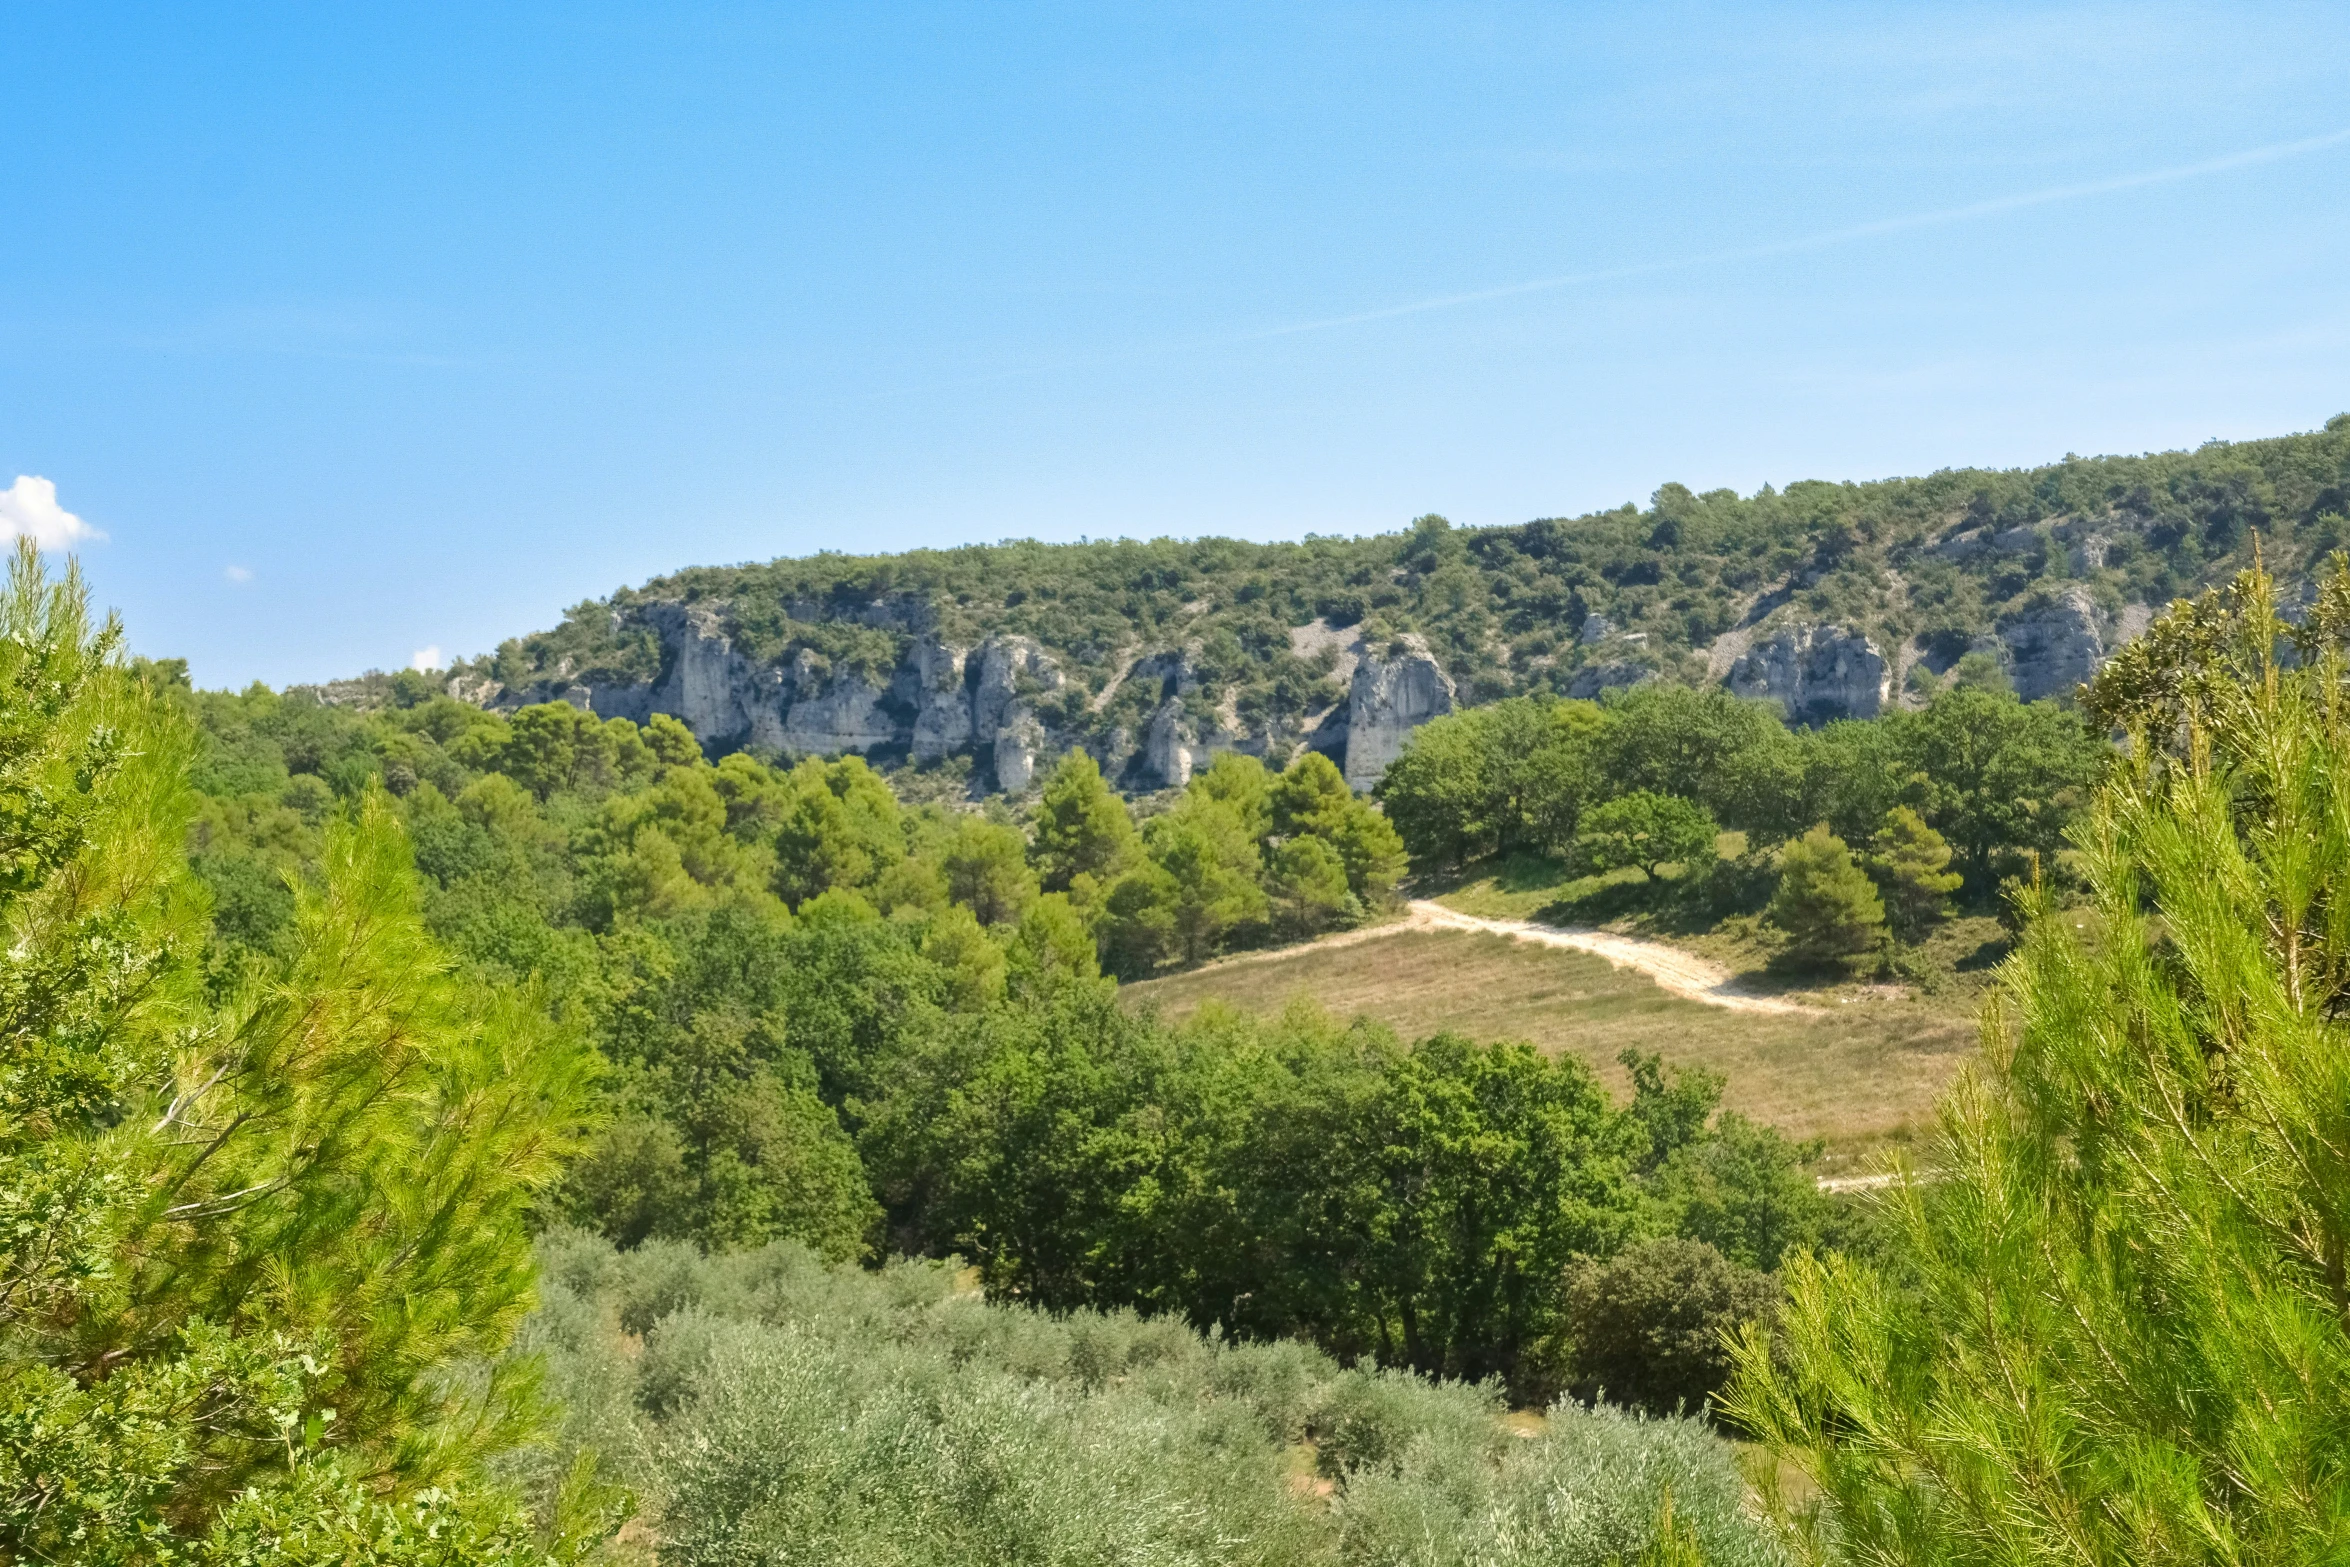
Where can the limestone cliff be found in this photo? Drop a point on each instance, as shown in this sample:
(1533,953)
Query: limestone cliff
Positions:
(1006,702)
(1392,695)
(1825,600)
(1814,673)
(2054,645)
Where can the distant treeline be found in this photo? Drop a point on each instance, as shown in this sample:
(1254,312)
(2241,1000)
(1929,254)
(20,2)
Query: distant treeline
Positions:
(1996,778)
(1973,788)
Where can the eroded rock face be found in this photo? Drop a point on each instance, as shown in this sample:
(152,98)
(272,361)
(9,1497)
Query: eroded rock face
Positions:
(1390,698)
(1018,744)
(1606,675)
(827,717)
(939,700)
(942,700)
(1010,670)
(707,685)
(2054,646)
(931,682)
(1814,673)
(1167,746)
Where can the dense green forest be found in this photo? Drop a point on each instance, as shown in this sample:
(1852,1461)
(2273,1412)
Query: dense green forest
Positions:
(868,1027)
(1931,564)
(315,1017)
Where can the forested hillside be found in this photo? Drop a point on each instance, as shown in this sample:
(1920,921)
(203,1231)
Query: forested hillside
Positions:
(1831,600)
(315,1014)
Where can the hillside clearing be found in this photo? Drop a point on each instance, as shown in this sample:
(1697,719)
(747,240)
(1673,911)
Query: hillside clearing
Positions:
(1858,1073)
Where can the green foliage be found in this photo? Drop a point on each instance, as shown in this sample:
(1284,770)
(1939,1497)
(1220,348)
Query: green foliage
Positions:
(1733,758)
(835,824)
(1311,800)
(1825,902)
(778,1409)
(1053,943)
(1647,830)
(1209,860)
(1307,883)
(1415,1205)
(1652,1325)
(1082,826)
(1909,862)
(2127,1316)
(986,869)
(1748,1192)
(1997,779)
(251,1239)
(1504,778)
(723,1138)
(1714,1176)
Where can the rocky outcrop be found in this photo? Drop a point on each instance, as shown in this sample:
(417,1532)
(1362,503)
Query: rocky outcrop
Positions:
(1814,673)
(1168,747)
(1606,675)
(826,715)
(1345,645)
(478,690)
(1011,670)
(930,683)
(2054,645)
(939,700)
(1390,697)
(992,701)
(707,685)
(1019,743)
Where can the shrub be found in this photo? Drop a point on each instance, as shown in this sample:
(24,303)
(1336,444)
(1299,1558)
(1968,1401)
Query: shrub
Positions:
(1591,1490)
(783,1410)
(1650,1325)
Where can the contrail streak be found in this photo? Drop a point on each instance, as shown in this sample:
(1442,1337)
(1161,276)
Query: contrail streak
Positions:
(1917,220)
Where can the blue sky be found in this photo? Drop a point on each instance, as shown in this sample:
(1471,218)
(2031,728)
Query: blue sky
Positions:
(364,330)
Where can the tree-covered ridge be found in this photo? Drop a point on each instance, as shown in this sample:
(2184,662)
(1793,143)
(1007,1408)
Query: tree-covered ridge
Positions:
(1928,563)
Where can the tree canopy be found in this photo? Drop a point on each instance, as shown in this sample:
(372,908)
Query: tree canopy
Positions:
(2127,1335)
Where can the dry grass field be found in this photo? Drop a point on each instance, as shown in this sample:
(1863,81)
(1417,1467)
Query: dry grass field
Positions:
(1863,1071)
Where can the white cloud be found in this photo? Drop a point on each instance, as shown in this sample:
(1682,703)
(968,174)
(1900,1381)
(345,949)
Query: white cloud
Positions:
(29,509)
(238,574)
(426,659)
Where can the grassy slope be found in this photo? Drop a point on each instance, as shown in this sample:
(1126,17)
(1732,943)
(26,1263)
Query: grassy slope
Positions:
(1864,1072)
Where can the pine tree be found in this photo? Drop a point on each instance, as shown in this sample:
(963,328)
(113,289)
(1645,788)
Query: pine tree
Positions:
(2128,1335)
(1307,881)
(1311,799)
(1825,902)
(1082,827)
(1911,865)
(247,1243)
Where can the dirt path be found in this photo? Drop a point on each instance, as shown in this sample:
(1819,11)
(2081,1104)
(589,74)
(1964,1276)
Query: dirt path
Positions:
(1682,973)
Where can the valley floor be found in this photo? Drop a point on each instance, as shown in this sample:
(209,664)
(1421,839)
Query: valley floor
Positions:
(1858,1067)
